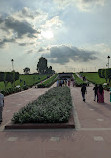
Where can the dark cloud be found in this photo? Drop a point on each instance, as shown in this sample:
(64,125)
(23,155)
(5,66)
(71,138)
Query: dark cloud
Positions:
(21,27)
(41,50)
(1,20)
(4,41)
(22,44)
(63,54)
(29,51)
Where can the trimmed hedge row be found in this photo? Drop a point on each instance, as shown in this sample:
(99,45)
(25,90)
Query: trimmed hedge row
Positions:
(13,90)
(52,107)
(9,76)
(104,73)
(49,82)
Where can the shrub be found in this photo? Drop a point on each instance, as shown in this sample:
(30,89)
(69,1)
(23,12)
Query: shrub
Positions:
(49,82)
(52,107)
(25,87)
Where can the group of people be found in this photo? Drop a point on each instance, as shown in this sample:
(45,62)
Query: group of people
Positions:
(98,93)
(65,82)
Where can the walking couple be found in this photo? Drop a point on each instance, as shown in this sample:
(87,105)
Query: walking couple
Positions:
(98,93)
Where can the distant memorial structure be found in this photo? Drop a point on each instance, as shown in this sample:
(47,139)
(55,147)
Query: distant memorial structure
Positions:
(65,75)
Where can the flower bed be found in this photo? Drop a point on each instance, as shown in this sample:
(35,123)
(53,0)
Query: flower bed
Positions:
(52,107)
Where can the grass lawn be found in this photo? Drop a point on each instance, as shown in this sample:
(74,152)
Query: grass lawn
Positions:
(94,78)
(77,79)
(29,80)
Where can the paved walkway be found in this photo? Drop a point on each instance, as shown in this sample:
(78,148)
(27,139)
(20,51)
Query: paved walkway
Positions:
(91,139)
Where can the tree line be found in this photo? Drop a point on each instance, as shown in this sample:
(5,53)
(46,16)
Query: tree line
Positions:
(42,67)
(7,77)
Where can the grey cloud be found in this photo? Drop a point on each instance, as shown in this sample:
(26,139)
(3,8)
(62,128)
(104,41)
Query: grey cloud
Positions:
(22,28)
(26,12)
(29,51)
(41,50)
(1,20)
(22,44)
(2,42)
(31,35)
(85,1)
(63,54)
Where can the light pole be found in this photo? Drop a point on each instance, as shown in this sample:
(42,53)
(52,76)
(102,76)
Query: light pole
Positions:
(108,61)
(12,64)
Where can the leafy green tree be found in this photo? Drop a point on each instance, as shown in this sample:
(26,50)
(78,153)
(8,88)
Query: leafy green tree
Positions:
(42,66)
(50,71)
(26,70)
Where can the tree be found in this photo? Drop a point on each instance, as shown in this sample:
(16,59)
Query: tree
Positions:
(42,66)
(50,71)
(26,70)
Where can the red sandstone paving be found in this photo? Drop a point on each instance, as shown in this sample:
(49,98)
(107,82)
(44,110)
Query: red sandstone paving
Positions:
(87,117)
(70,144)
(59,143)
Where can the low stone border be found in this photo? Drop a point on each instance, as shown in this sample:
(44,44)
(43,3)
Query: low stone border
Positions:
(69,124)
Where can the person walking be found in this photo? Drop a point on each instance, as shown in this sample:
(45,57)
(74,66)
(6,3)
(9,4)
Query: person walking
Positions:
(60,83)
(69,83)
(73,83)
(57,83)
(66,82)
(95,89)
(100,93)
(83,91)
(1,105)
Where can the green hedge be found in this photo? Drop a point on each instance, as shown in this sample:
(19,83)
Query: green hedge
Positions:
(49,82)
(104,73)
(52,107)
(9,76)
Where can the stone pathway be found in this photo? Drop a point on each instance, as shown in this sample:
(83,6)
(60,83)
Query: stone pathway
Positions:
(90,139)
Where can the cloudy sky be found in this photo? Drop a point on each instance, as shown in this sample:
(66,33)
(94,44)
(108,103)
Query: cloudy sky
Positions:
(73,35)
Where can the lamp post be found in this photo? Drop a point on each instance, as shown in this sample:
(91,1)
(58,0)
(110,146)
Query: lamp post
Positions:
(13,72)
(108,61)
(12,64)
